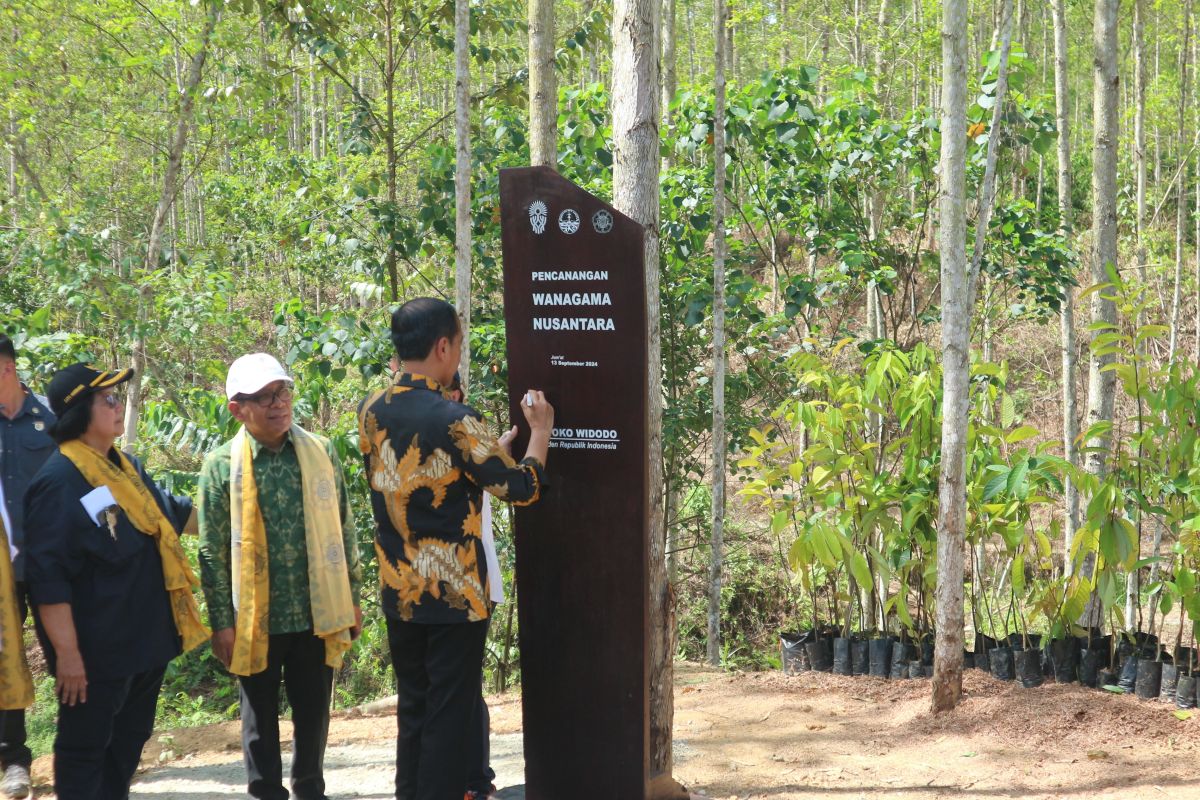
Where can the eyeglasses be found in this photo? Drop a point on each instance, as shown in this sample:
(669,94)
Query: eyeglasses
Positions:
(112,400)
(267,399)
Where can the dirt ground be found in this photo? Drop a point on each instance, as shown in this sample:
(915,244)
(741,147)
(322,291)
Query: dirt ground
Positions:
(766,736)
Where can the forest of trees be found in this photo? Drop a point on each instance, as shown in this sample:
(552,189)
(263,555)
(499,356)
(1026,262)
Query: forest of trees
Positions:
(188,181)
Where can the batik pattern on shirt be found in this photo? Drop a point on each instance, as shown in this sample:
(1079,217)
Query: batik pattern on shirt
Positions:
(429,460)
(280,492)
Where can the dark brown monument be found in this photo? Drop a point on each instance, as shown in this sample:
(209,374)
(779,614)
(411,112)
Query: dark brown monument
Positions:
(575,315)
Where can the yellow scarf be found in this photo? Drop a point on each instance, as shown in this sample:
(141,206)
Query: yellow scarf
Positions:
(138,503)
(16,684)
(328,579)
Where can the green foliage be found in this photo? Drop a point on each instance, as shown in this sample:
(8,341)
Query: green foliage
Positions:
(317,191)
(850,469)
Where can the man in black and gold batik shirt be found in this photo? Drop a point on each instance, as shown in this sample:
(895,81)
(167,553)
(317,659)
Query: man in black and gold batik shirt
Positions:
(428,461)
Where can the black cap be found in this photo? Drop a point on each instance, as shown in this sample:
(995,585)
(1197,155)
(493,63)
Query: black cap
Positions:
(72,384)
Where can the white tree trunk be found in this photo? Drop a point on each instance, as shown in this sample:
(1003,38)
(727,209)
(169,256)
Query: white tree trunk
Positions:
(987,197)
(670,80)
(718,346)
(462,179)
(635,85)
(1181,188)
(543,91)
(1139,129)
(956,341)
(162,211)
(12,168)
(670,83)
(1105,140)
(1062,101)
(883,87)
(1104,203)
(1139,165)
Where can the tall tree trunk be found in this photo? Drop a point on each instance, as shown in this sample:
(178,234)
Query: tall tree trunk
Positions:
(462,180)
(1181,196)
(1133,585)
(635,116)
(1104,202)
(671,488)
(670,80)
(1195,211)
(1105,140)
(881,31)
(718,346)
(314,111)
(784,24)
(732,54)
(389,87)
(1139,129)
(162,211)
(1062,102)
(543,94)
(956,342)
(12,165)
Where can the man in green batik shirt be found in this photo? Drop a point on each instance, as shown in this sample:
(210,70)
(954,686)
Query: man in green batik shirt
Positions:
(281,455)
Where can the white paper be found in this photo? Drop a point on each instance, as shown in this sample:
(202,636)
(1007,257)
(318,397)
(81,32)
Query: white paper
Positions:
(12,548)
(495,579)
(96,501)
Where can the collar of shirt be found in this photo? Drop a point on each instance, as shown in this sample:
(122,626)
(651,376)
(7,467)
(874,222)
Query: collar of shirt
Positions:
(412,380)
(29,405)
(257,447)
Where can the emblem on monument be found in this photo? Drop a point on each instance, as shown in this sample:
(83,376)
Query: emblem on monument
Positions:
(537,216)
(568,221)
(602,221)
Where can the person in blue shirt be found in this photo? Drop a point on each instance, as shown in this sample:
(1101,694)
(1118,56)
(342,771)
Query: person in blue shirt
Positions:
(25,445)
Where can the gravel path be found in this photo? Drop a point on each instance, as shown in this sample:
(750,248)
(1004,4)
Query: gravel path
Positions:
(351,771)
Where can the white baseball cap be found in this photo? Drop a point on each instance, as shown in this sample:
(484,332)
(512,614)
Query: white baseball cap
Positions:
(252,372)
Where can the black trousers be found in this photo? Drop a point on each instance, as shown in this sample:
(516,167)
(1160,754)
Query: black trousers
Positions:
(439,669)
(99,743)
(479,753)
(481,774)
(13,749)
(297,660)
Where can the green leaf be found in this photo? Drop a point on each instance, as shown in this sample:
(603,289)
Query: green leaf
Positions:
(1021,434)
(1115,545)
(859,569)
(1017,485)
(996,485)
(1008,411)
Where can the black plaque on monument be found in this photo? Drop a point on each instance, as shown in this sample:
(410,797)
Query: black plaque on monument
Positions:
(575,315)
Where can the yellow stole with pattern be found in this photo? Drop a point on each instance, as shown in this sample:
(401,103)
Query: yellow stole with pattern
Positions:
(328,577)
(16,684)
(138,503)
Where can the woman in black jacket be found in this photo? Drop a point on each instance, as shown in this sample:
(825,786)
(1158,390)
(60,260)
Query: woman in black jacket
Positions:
(110,586)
